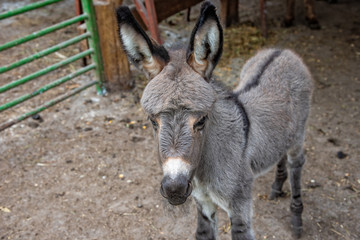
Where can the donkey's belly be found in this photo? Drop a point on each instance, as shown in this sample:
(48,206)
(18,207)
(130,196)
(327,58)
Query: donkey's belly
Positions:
(261,165)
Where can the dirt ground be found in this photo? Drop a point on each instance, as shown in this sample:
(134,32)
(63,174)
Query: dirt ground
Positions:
(89,170)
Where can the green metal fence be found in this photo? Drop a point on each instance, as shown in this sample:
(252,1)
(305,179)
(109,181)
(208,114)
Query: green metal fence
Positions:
(94,51)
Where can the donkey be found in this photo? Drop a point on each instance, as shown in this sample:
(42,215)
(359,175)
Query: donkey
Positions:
(212,142)
(310,15)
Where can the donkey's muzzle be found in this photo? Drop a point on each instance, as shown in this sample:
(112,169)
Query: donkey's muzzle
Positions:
(177,190)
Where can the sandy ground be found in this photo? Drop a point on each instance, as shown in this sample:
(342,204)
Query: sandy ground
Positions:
(89,171)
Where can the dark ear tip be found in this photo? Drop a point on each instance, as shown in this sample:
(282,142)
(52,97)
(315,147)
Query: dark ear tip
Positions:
(123,13)
(208,8)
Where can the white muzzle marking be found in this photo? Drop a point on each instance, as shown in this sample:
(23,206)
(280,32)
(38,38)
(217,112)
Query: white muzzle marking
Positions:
(174,167)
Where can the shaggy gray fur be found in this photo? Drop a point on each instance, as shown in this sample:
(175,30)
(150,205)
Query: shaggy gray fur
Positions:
(222,140)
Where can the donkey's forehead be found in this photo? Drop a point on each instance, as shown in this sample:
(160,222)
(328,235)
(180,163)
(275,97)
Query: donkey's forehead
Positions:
(177,87)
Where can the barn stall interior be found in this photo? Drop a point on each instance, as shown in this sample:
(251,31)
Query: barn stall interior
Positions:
(86,168)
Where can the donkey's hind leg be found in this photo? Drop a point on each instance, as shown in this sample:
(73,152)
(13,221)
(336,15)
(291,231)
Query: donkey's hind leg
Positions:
(281,176)
(296,160)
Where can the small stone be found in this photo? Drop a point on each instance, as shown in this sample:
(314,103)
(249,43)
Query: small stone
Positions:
(33,124)
(108,119)
(136,139)
(121,176)
(5,209)
(349,187)
(88,101)
(334,141)
(139,205)
(313,184)
(57,195)
(94,99)
(37,117)
(341,155)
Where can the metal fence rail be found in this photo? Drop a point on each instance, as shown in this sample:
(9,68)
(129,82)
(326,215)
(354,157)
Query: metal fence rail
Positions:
(94,51)
(27,8)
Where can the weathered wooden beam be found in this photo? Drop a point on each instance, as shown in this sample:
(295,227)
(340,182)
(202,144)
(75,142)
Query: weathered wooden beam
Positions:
(166,8)
(229,14)
(153,22)
(116,66)
(141,10)
(155,11)
(148,15)
(263,18)
(82,29)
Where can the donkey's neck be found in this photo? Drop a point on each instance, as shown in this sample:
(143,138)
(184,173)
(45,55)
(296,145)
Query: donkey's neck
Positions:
(226,136)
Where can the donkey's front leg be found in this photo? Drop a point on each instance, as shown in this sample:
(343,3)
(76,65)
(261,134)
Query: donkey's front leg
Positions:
(207,220)
(241,215)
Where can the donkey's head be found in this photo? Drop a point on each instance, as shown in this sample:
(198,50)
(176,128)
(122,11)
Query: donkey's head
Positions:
(178,97)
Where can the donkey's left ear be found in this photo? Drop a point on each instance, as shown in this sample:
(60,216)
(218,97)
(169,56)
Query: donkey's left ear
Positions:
(206,42)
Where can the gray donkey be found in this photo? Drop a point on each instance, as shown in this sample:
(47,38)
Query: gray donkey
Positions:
(212,143)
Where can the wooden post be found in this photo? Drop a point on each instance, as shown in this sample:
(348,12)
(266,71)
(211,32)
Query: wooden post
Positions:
(229,12)
(263,18)
(82,29)
(148,15)
(116,66)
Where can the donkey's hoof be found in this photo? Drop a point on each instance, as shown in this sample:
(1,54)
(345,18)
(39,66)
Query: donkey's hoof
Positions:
(313,23)
(296,225)
(296,231)
(276,194)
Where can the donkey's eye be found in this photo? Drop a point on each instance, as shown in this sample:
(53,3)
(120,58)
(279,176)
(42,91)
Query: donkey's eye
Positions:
(199,125)
(154,123)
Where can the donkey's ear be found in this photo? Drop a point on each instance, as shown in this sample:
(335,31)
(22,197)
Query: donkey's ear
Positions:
(206,42)
(140,49)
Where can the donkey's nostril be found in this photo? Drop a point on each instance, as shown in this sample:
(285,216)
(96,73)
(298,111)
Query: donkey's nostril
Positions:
(162,192)
(188,190)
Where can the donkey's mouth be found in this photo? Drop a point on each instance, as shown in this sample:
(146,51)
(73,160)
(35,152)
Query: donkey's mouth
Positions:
(178,201)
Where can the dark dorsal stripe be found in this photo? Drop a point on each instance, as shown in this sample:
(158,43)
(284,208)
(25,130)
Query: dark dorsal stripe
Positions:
(256,80)
(245,119)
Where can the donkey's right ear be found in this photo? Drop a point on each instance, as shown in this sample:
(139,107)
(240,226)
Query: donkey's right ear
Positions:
(206,42)
(144,53)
